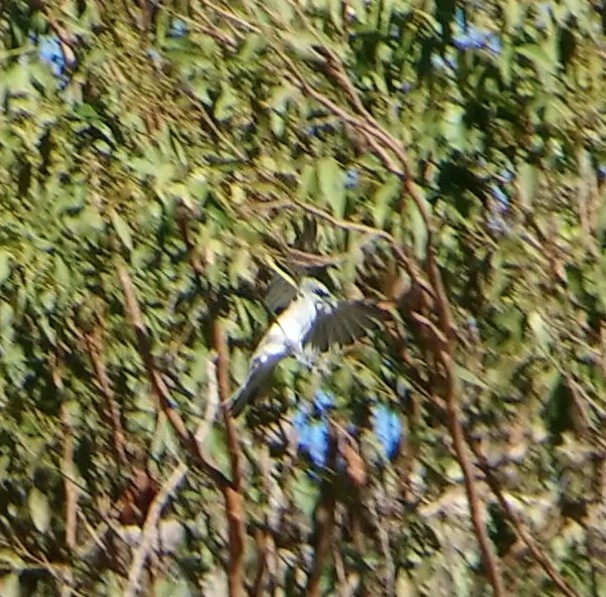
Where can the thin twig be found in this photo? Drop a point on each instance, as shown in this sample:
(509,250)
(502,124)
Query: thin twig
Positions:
(71,489)
(155,510)
(383,536)
(212,403)
(324,519)
(263,535)
(94,344)
(232,492)
(161,392)
(150,529)
(537,553)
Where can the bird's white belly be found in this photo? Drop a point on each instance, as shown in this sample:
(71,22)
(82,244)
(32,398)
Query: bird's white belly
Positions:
(286,334)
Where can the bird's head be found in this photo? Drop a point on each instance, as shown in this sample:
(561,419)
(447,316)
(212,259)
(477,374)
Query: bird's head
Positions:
(314,288)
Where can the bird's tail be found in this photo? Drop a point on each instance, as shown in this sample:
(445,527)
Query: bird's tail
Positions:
(248,391)
(245,393)
(257,379)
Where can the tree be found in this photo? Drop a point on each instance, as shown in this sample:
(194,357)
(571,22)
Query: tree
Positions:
(154,178)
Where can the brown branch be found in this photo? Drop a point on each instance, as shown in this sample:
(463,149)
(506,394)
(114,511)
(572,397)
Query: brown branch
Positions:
(94,345)
(372,129)
(150,529)
(234,500)
(232,492)
(443,350)
(160,391)
(408,263)
(192,253)
(264,536)
(71,489)
(212,403)
(389,577)
(200,434)
(537,553)
(324,519)
(262,539)
(230,16)
(476,510)
(213,127)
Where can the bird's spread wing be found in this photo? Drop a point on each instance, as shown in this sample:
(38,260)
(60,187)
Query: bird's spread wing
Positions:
(342,323)
(280,293)
(284,283)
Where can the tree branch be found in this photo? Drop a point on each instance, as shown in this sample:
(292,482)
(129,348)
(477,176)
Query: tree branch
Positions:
(443,348)
(150,529)
(160,390)
(537,553)
(324,518)
(234,500)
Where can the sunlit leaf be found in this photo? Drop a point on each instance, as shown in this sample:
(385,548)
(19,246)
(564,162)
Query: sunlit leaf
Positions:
(122,229)
(382,198)
(5,265)
(332,184)
(528,176)
(10,585)
(417,225)
(539,329)
(225,104)
(39,509)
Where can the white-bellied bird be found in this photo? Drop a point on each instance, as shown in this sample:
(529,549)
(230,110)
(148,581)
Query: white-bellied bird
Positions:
(313,321)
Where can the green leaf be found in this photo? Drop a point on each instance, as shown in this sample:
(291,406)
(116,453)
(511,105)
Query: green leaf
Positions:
(539,329)
(513,12)
(357,9)
(122,229)
(283,9)
(417,226)
(453,126)
(601,223)
(540,58)
(168,587)
(303,43)
(5,265)
(471,378)
(528,180)
(305,493)
(9,559)
(278,124)
(197,185)
(308,182)
(39,509)
(336,14)
(225,104)
(332,185)
(62,274)
(383,197)
(10,586)
(161,26)
(281,96)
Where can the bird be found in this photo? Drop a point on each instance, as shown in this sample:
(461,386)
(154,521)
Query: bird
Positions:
(312,321)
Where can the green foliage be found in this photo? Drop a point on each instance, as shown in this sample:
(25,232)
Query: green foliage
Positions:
(193,160)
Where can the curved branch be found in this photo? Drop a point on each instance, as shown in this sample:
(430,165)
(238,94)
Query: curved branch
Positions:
(234,500)
(537,553)
(444,345)
(161,392)
(150,529)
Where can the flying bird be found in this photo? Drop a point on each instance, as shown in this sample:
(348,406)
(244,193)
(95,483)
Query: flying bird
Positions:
(313,321)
